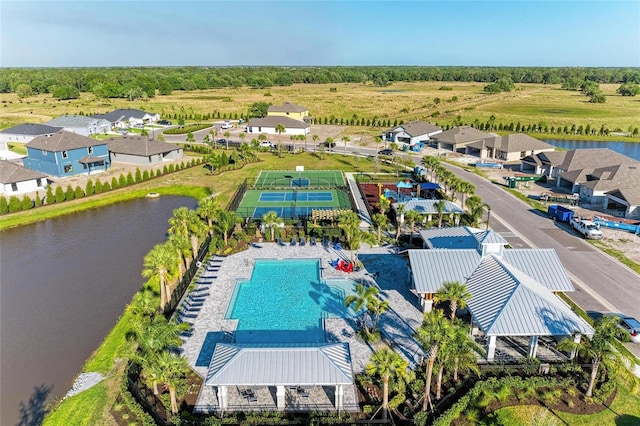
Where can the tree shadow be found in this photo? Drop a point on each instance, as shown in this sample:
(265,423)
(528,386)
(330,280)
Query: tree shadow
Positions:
(33,411)
(627,420)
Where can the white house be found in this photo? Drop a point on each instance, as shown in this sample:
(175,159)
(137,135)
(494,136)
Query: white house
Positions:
(16,179)
(268,125)
(81,125)
(128,117)
(24,133)
(411,133)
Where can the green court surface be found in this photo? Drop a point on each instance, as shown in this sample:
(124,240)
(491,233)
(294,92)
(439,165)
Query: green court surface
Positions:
(294,179)
(291,203)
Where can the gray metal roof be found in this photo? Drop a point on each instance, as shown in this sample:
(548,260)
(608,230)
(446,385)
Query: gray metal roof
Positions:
(429,206)
(31,129)
(507,302)
(139,145)
(14,173)
(455,237)
(274,120)
(489,237)
(543,265)
(63,141)
(431,268)
(280,364)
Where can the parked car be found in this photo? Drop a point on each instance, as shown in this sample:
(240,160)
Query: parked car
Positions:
(385,152)
(267,144)
(629,325)
(226,125)
(164,123)
(122,131)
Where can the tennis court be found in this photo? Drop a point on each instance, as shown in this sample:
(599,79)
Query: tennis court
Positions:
(305,179)
(291,203)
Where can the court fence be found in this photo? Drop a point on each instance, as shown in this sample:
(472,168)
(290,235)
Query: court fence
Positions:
(237,197)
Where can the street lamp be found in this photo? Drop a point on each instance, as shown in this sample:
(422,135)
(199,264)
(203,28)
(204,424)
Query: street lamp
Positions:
(488,216)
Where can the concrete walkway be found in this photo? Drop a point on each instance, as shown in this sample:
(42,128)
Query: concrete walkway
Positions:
(205,308)
(361,203)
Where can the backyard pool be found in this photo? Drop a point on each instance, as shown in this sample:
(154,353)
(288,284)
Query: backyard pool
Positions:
(285,301)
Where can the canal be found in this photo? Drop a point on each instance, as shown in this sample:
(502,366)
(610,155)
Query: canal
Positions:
(63,284)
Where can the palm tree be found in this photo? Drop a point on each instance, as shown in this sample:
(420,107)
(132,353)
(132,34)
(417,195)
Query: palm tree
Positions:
(601,350)
(158,266)
(214,132)
(144,304)
(359,301)
(380,221)
(456,351)
(348,222)
(206,210)
(173,370)
(303,138)
(225,221)
(272,220)
(430,162)
(435,330)
(182,247)
(345,139)
(387,364)
(383,204)
(280,129)
(315,141)
(440,206)
(293,139)
(197,230)
(227,135)
(242,135)
(376,308)
(455,293)
(466,188)
(179,222)
(412,216)
(399,220)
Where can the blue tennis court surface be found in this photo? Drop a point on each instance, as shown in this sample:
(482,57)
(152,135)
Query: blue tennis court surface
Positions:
(279,197)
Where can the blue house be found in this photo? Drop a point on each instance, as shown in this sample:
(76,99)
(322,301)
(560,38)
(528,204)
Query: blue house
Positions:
(66,154)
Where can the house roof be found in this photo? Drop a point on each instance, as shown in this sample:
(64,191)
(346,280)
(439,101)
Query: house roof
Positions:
(88,159)
(515,142)
(123,114)
(461,135)
(31,129)
(429,206)
(592,158)
(630,195)
(433,267)
(280,364)
(273,121)
(417,128)
(138,145)
(62,141)
(508,302)
(14,173)
(286,107)
(75,121)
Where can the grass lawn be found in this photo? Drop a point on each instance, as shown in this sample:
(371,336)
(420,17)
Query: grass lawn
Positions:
(528,103)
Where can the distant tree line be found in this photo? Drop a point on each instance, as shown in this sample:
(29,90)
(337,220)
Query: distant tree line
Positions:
(140,83)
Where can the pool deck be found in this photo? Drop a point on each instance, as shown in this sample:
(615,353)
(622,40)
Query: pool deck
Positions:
(205,308)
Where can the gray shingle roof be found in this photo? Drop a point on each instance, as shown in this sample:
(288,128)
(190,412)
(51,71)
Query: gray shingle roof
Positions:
(592,158)
(62,141)
(88,159)
(515,142)
(286,107)
(74,121)
(417,128)
(31,129)
(461,135)
(14,173)
(273,121)
(280,364)
(122,114)
(507,302)
(138,145)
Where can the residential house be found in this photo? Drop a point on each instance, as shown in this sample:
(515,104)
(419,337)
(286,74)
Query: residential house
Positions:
(16,179)
(429,209)
(457,138)
(141,150)
(66,154)
(23,133)
(289,110)
(411,133)
(128,117)
(81,125)
(599,176)
(512,290)
(268,125)
(507,148)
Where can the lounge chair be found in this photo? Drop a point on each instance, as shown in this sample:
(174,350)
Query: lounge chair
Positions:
(303,241)
(279,241)
(325,241)
(293,241)
(337,246)
(313,241)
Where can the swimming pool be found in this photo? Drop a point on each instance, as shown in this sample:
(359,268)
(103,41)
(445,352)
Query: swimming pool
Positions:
(285,301)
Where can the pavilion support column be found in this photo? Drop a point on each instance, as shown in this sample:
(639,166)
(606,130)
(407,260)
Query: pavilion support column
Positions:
(426,302)
(280,397)
(576,339)
(491,348)
(223,397)
(533,346)
(339,397)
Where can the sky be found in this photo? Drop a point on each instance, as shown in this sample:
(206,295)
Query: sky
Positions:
(87,33)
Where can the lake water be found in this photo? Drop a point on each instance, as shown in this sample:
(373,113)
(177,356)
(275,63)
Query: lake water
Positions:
(63,284)
(630,149)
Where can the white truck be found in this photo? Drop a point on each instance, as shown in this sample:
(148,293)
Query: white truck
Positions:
(587,228)
(226,125)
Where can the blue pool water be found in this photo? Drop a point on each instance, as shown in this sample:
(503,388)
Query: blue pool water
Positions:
(285,301)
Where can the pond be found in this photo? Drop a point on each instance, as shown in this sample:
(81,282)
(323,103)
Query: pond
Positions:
(63,284)
(630,149)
